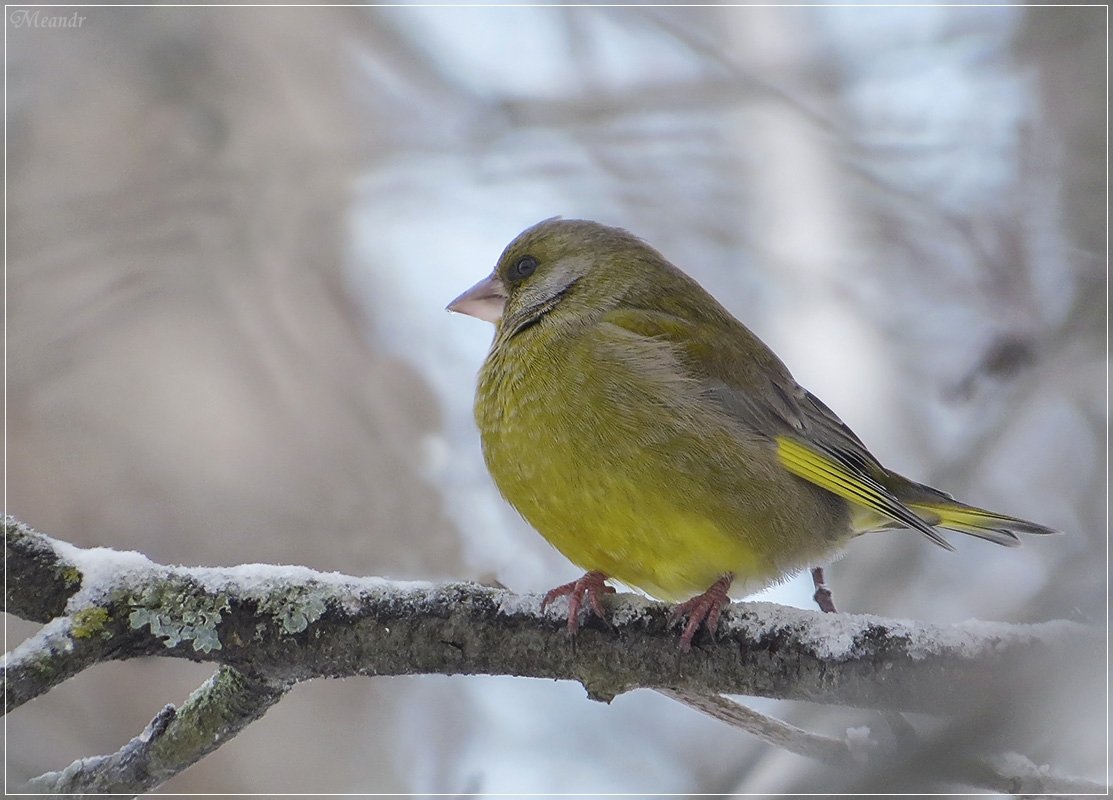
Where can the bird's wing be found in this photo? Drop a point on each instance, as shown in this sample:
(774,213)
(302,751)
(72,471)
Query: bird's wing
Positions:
(739,373)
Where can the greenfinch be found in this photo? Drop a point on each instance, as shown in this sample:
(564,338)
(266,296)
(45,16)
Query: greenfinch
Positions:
(652,438)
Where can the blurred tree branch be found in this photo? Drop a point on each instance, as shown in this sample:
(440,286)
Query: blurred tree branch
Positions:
(271,627)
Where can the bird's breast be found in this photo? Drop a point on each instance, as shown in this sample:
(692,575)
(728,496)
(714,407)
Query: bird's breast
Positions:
(625,470)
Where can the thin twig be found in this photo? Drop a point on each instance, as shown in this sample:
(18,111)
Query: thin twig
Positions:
(1010,772)
(53,655)
(772,731)
(175,739)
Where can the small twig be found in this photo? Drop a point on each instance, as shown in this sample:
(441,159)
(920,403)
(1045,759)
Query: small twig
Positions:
(1013,773)
(902,730)
(219,709)
(776,732)
(742,77)
(48,658)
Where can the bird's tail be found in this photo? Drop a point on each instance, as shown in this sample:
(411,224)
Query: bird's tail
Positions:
(945,512)
(881,500)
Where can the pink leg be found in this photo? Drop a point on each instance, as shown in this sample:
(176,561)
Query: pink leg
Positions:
(592,585)
(702,609)
(822,594)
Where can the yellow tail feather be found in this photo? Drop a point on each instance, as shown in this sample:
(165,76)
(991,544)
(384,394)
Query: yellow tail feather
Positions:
(974,521)
(855,487)
(876,507)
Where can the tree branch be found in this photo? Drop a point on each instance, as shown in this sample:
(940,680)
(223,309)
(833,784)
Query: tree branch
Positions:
(39,580)
(270,627)
(54,654)
(175,739)
(292,623)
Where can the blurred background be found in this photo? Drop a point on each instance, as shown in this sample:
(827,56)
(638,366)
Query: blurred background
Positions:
(232,233)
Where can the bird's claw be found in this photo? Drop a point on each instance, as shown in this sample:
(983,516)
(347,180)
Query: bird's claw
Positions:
(823,597)
(592,586)
(702,609)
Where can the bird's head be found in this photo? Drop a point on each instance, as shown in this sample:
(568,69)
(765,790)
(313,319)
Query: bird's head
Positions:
(560,264)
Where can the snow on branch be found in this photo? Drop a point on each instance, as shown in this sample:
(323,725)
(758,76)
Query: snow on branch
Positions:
(270,627)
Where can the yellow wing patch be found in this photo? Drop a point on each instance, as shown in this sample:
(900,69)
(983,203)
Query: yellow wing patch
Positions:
(851,485)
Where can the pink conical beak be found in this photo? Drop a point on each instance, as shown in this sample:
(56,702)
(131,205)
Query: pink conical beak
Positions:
(484,301)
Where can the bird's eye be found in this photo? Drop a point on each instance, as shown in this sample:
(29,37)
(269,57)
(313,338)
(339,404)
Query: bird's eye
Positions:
(524,267)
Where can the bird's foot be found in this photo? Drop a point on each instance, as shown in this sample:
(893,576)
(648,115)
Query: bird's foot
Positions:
(702,609)
(592,586)
(822,596)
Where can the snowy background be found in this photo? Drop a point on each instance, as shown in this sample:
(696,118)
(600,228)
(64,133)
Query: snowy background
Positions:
(232,234)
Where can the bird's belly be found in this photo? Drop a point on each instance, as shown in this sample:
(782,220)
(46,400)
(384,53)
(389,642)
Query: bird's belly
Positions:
(664,500)
(671,544)
(667,552)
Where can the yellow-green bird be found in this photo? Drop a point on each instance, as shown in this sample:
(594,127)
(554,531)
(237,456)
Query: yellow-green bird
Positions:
(652,438)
